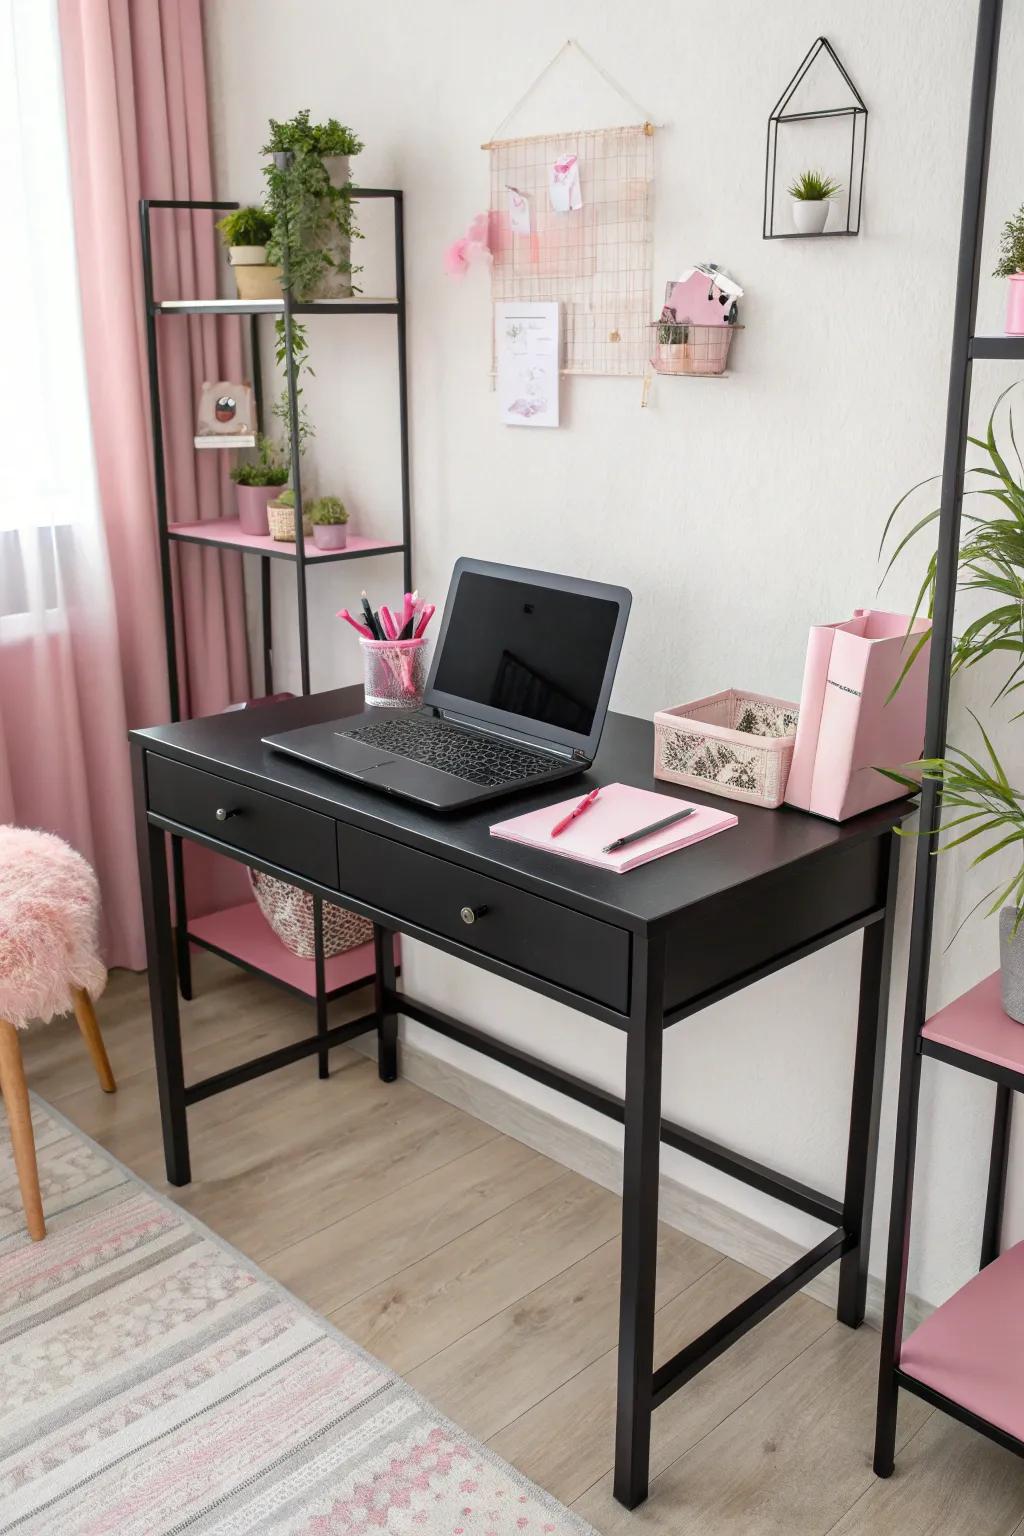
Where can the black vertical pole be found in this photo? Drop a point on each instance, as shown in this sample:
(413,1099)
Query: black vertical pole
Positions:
(184,959)
(866,1099)
(993,1227)
(403,393)
(979,135)
(266,625)
(323,1065)
(640,1164)
(283,161)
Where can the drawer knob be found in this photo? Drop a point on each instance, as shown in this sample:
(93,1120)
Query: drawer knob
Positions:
(223,813)
(470,914)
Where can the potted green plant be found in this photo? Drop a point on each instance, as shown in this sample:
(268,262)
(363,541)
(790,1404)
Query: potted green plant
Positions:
(812,193)
(257,482)
(246,233)
(977,798)
(329,517)
(1011,265)
(310,196)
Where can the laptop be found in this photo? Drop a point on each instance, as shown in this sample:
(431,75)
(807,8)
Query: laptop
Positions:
(517,694)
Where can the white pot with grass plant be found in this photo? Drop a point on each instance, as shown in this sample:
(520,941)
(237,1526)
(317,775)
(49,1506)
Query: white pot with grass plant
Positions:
(1011,266)
(329,517)
(812,193)
(258,482)
(246,233)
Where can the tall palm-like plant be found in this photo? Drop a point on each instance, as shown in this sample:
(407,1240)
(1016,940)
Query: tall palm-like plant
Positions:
(990,559)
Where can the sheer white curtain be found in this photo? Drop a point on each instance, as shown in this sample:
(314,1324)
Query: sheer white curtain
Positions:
(63,764)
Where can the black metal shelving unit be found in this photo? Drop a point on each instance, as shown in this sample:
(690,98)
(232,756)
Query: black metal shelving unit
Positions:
(219,533)
(962,1048)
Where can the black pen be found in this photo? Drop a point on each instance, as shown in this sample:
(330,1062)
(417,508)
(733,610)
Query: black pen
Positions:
(372,622)
(656,826)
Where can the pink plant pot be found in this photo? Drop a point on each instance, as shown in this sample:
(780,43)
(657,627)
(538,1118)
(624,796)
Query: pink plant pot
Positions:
(252,508)
(1015,305)
(330,535)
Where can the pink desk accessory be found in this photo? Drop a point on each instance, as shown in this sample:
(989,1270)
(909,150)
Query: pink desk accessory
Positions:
(621,808)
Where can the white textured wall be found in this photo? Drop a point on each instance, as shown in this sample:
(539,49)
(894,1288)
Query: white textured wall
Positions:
(738,511)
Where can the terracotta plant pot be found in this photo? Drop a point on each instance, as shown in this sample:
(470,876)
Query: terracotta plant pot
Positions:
(256,282)
(810,217)
(252,508)
(1015,305)
(330,535)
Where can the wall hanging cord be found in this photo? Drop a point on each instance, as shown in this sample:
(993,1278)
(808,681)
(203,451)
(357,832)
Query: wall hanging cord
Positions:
(571,42)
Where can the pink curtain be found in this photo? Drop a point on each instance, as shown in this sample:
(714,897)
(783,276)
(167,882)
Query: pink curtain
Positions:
(86,659)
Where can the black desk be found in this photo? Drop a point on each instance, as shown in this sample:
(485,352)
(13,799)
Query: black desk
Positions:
(638,952)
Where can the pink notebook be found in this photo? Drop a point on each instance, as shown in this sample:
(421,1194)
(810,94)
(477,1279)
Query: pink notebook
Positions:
(618,809)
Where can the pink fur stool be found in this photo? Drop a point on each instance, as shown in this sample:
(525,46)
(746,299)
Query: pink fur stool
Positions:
(49,964)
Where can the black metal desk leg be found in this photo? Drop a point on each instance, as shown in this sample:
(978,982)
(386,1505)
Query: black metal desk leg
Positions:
(866,1102)
(639,1224)
(163,992)
(993,1228)
(182,950)
(384,990)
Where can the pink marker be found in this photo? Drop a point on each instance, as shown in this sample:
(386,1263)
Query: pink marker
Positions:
(361,629)
(387,619)
(425,618)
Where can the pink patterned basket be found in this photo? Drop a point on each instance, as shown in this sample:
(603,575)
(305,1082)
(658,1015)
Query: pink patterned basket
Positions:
(735,744)
(289,912)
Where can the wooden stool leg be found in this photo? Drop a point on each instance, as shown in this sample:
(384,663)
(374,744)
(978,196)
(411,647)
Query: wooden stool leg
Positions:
(12,1080)
(87,1023)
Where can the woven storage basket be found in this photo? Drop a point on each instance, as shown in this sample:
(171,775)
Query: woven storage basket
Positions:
(289,912)
(735,744)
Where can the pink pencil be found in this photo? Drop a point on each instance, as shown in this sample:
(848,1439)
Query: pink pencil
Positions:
(425,618)
(361,629)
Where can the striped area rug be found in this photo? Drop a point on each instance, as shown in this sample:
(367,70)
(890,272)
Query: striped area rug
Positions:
(153,1381)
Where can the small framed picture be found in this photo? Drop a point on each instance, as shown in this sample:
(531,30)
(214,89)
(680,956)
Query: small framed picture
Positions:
(226,417)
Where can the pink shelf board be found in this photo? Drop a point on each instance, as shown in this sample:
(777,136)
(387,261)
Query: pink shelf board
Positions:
(227,531)
(245,933)
(971,1349)
(975,1023)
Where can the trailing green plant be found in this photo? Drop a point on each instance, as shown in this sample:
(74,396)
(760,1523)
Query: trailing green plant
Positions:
(814,187)
(270,467)
(990,558)
(246,226)
(328,511)
(983,804)
(301,365)
(1011,246)
(309,211)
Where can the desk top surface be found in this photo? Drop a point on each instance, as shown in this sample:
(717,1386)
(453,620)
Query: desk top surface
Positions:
(764,843)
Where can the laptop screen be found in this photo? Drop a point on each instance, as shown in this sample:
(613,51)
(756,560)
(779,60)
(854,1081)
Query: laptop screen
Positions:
(526,649)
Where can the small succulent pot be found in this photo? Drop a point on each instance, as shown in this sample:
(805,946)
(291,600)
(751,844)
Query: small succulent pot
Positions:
(330,535)
(1011,964)
(1015,305)
(810,216)
(281,517)
(247,255)
(252,503)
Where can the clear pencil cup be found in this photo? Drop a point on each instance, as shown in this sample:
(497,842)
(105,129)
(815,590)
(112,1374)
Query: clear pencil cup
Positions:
(394,673)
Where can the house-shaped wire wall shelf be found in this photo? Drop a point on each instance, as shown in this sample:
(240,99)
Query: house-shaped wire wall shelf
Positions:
(784,113)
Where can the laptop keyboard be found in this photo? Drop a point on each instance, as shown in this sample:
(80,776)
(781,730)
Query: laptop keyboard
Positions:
(480,759)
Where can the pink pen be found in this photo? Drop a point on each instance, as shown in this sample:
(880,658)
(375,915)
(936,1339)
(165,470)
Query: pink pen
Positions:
(361,629)
(386,618)
(425,618)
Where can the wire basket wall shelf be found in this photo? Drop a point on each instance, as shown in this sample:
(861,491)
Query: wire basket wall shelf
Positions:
(694,351)
(783,113)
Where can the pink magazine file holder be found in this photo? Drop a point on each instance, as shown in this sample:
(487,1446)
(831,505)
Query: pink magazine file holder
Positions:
(848,726)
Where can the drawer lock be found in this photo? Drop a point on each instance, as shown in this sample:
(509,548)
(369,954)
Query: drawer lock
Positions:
(470,914)
(223,813)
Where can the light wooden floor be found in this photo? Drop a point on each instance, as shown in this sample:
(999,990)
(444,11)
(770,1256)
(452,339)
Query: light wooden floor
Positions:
(486,1274)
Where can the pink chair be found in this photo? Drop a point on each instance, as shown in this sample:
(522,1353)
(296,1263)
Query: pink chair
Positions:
(49,964)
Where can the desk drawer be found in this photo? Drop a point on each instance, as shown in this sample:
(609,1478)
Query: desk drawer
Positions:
(271,829)
(547,940)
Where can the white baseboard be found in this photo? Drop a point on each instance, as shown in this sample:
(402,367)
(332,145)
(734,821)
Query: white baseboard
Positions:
(731,1232)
